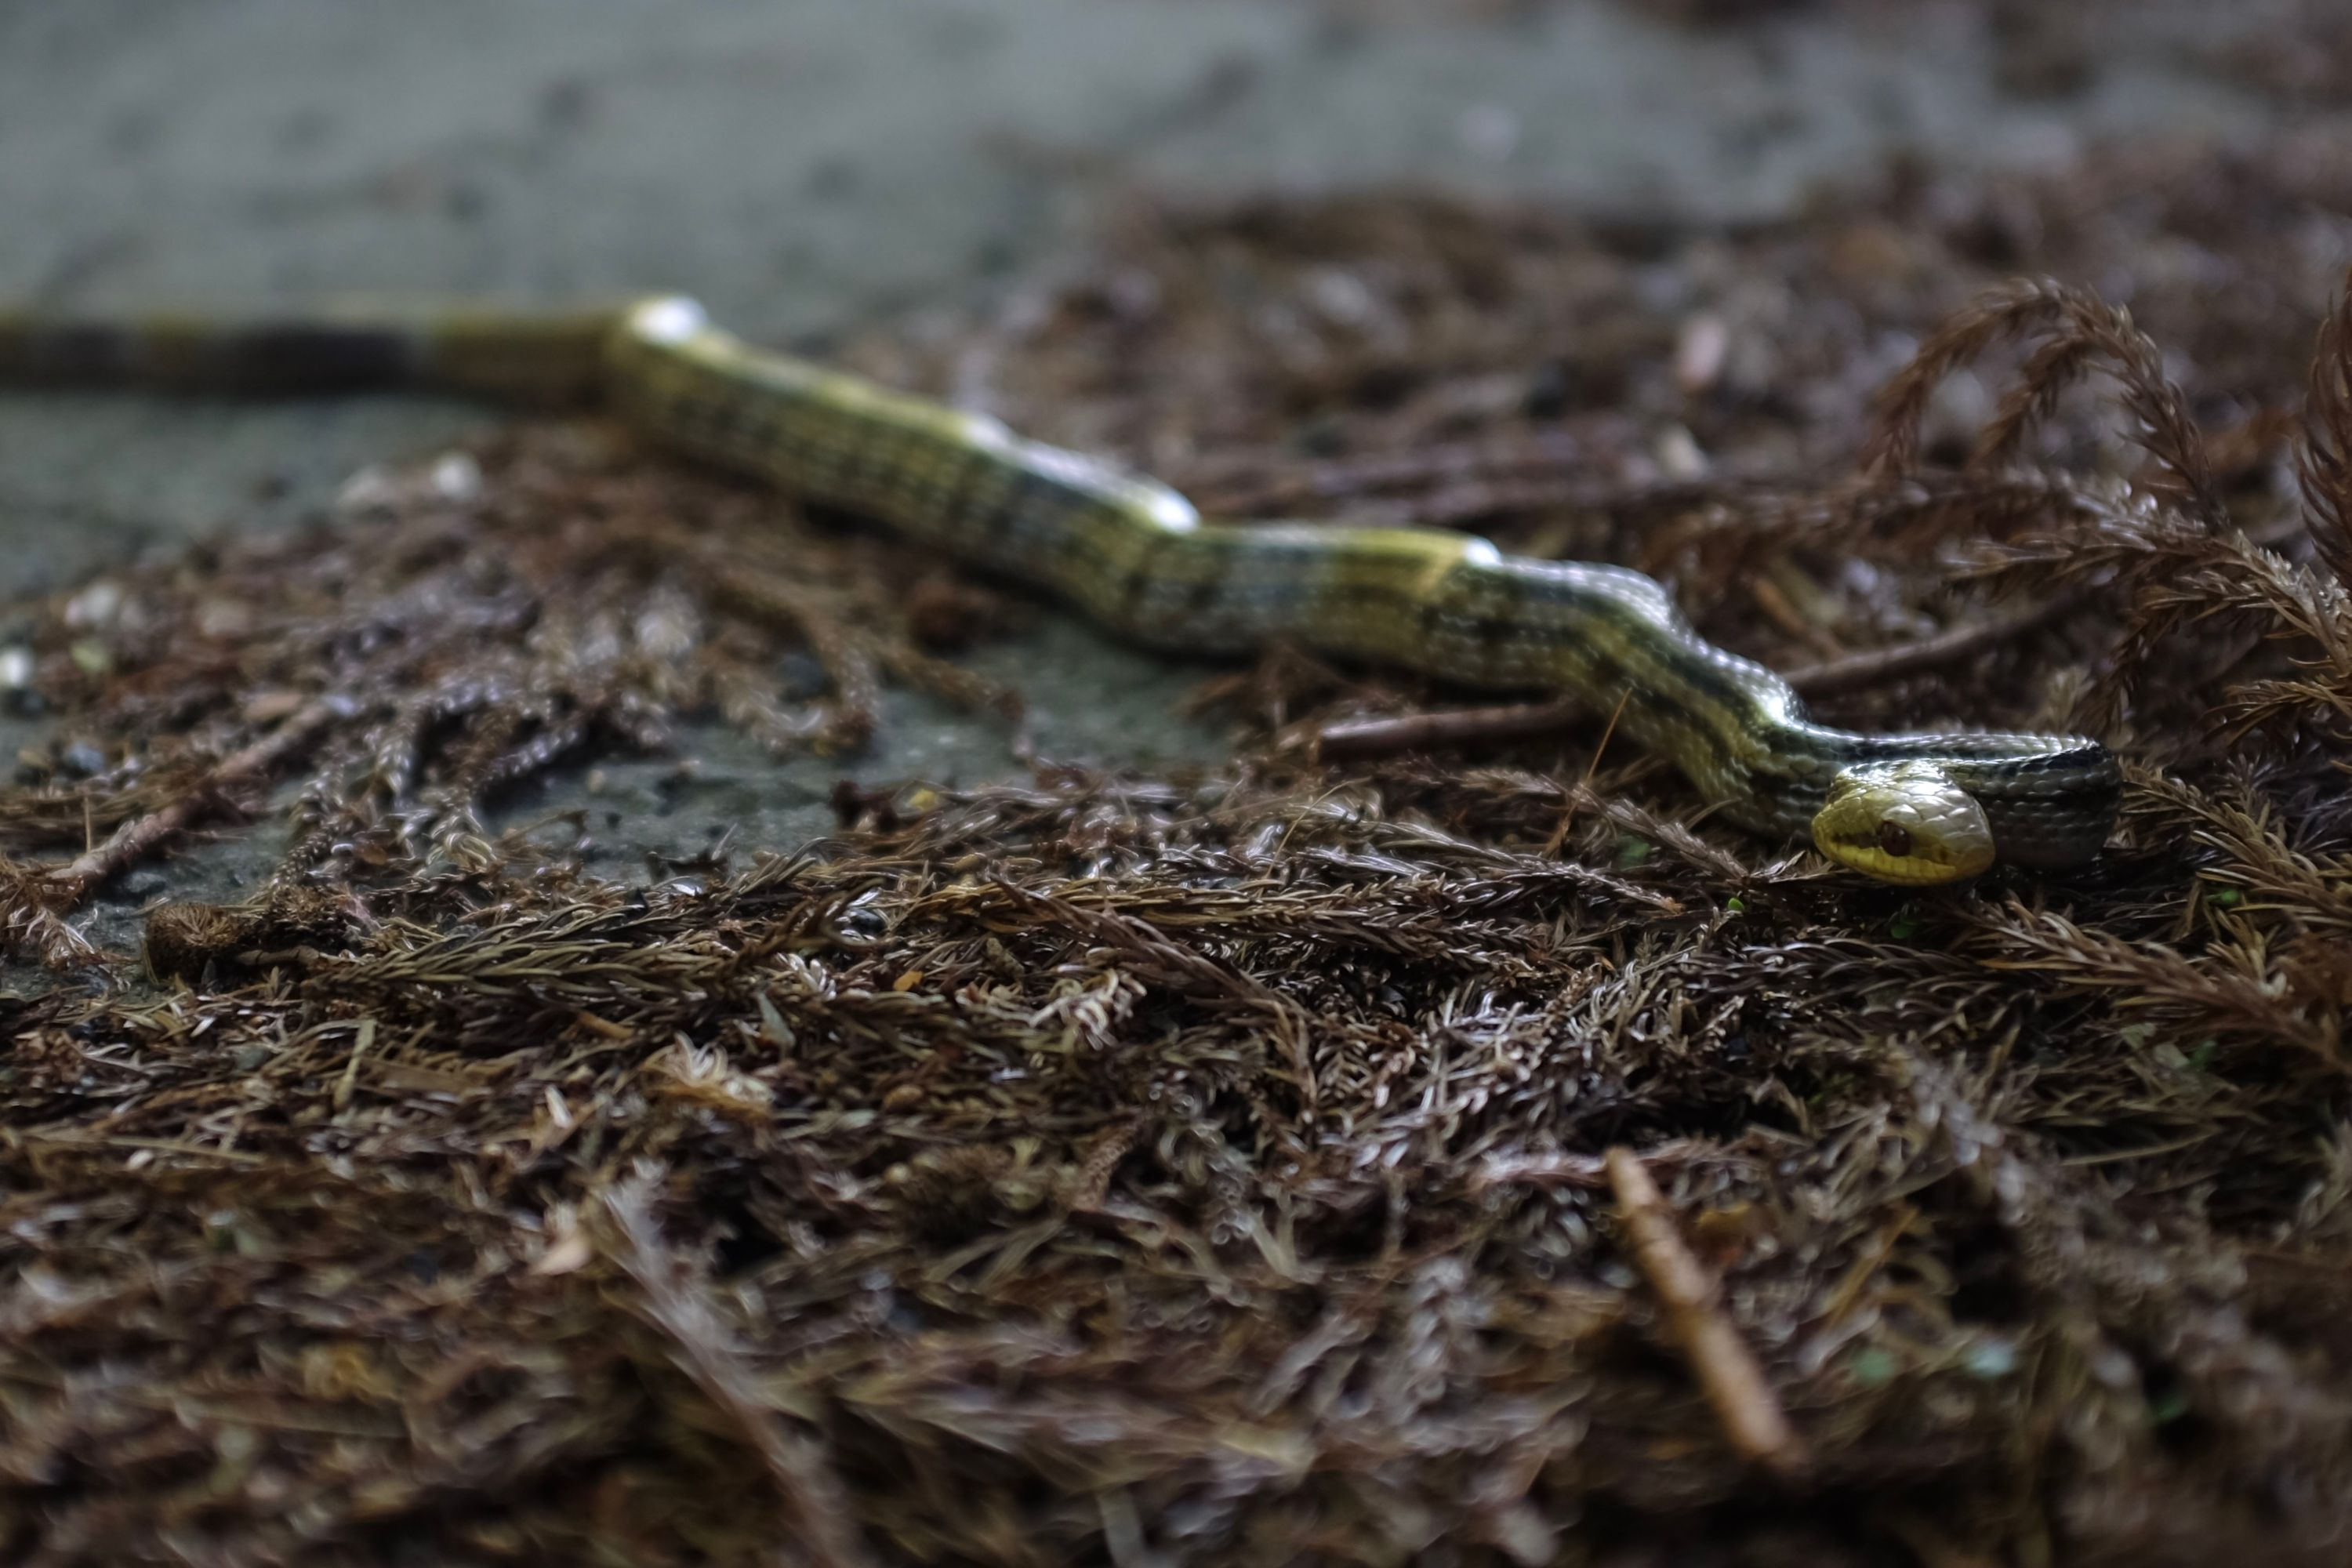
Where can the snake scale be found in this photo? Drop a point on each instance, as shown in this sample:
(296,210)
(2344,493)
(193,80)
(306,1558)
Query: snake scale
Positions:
(1135,557)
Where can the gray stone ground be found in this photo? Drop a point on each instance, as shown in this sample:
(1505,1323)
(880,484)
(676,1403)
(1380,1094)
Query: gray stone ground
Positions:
(805,163)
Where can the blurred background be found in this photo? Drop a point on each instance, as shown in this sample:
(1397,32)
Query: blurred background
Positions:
(811,165)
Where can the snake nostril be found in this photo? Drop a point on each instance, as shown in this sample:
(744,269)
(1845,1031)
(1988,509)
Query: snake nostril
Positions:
(1894,838)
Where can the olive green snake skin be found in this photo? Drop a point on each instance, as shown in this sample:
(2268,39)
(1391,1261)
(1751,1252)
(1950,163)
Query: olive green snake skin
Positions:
(1135,557)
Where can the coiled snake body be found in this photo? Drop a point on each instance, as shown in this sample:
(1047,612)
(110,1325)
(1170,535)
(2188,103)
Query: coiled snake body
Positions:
(1135,557)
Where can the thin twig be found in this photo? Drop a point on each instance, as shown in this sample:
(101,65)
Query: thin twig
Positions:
(1873,665)
(1584,786)
(1255,483)
(1726,1370)
(1406,731)
(62,887)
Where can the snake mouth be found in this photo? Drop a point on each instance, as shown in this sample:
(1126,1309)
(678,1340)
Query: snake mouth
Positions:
(1902,870)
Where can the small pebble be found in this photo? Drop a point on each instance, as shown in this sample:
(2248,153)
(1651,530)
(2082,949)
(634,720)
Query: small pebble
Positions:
(368,490)
(96,605)
(1699,353)
(456,477)
(1679,455)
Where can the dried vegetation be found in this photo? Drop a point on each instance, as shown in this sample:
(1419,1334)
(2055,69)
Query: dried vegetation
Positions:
(1468,1154)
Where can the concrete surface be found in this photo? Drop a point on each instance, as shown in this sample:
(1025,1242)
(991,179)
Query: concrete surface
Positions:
(805,163)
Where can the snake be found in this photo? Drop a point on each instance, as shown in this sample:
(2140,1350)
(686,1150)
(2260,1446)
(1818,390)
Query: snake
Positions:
(1135,557)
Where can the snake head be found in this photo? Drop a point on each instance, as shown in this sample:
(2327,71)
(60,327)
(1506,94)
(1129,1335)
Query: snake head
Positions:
(1907,823)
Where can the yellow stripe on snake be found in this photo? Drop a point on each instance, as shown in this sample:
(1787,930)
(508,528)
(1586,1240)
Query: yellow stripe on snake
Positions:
(1135,557)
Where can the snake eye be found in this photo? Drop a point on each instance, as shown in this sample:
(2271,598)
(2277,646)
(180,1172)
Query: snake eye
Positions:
(1894,838)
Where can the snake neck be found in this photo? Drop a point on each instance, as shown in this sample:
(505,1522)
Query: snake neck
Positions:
(2050,799)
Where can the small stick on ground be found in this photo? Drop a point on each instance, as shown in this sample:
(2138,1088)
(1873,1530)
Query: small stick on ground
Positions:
(1405,732)
(1719,1359)
(1256,483)
(1873,665)
(63,887)
(1584,786)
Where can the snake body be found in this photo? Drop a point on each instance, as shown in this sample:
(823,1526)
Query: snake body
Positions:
(1135,557)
